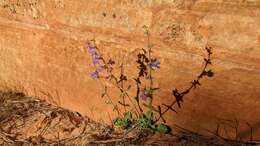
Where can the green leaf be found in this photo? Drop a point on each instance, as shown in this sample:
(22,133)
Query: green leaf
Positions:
(154,89)
(144,122)
(128,116)
(117,122)
(124,122)
(161,128)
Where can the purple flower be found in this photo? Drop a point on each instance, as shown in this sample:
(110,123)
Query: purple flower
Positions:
(92,51)
(107,77)
(109,69)
(94,75)
(95,59)
(91,48)
(154,64)
(99,69)
(144,95)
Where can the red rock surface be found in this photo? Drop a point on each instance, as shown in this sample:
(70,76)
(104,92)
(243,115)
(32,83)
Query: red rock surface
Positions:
(42,51)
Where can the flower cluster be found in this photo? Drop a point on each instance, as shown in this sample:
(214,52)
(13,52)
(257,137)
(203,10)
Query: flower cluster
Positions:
(95,74)
(154,63)
(97,60)
(92,49)
(146,113)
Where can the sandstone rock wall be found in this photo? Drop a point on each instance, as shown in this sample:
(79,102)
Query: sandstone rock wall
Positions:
(42,51)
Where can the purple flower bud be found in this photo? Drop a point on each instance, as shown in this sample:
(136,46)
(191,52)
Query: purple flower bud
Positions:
(154,64)
(94,75)
(91,48)
(144,95)
(100,68)
(95,59)
(91,45)
(109,69)
(107,77)
(92,51)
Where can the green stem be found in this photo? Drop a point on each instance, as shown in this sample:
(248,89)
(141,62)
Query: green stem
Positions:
(149,68)
(117,84)
(109,98)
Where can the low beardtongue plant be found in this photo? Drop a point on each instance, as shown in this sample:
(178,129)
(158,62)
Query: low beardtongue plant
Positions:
(140,111)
